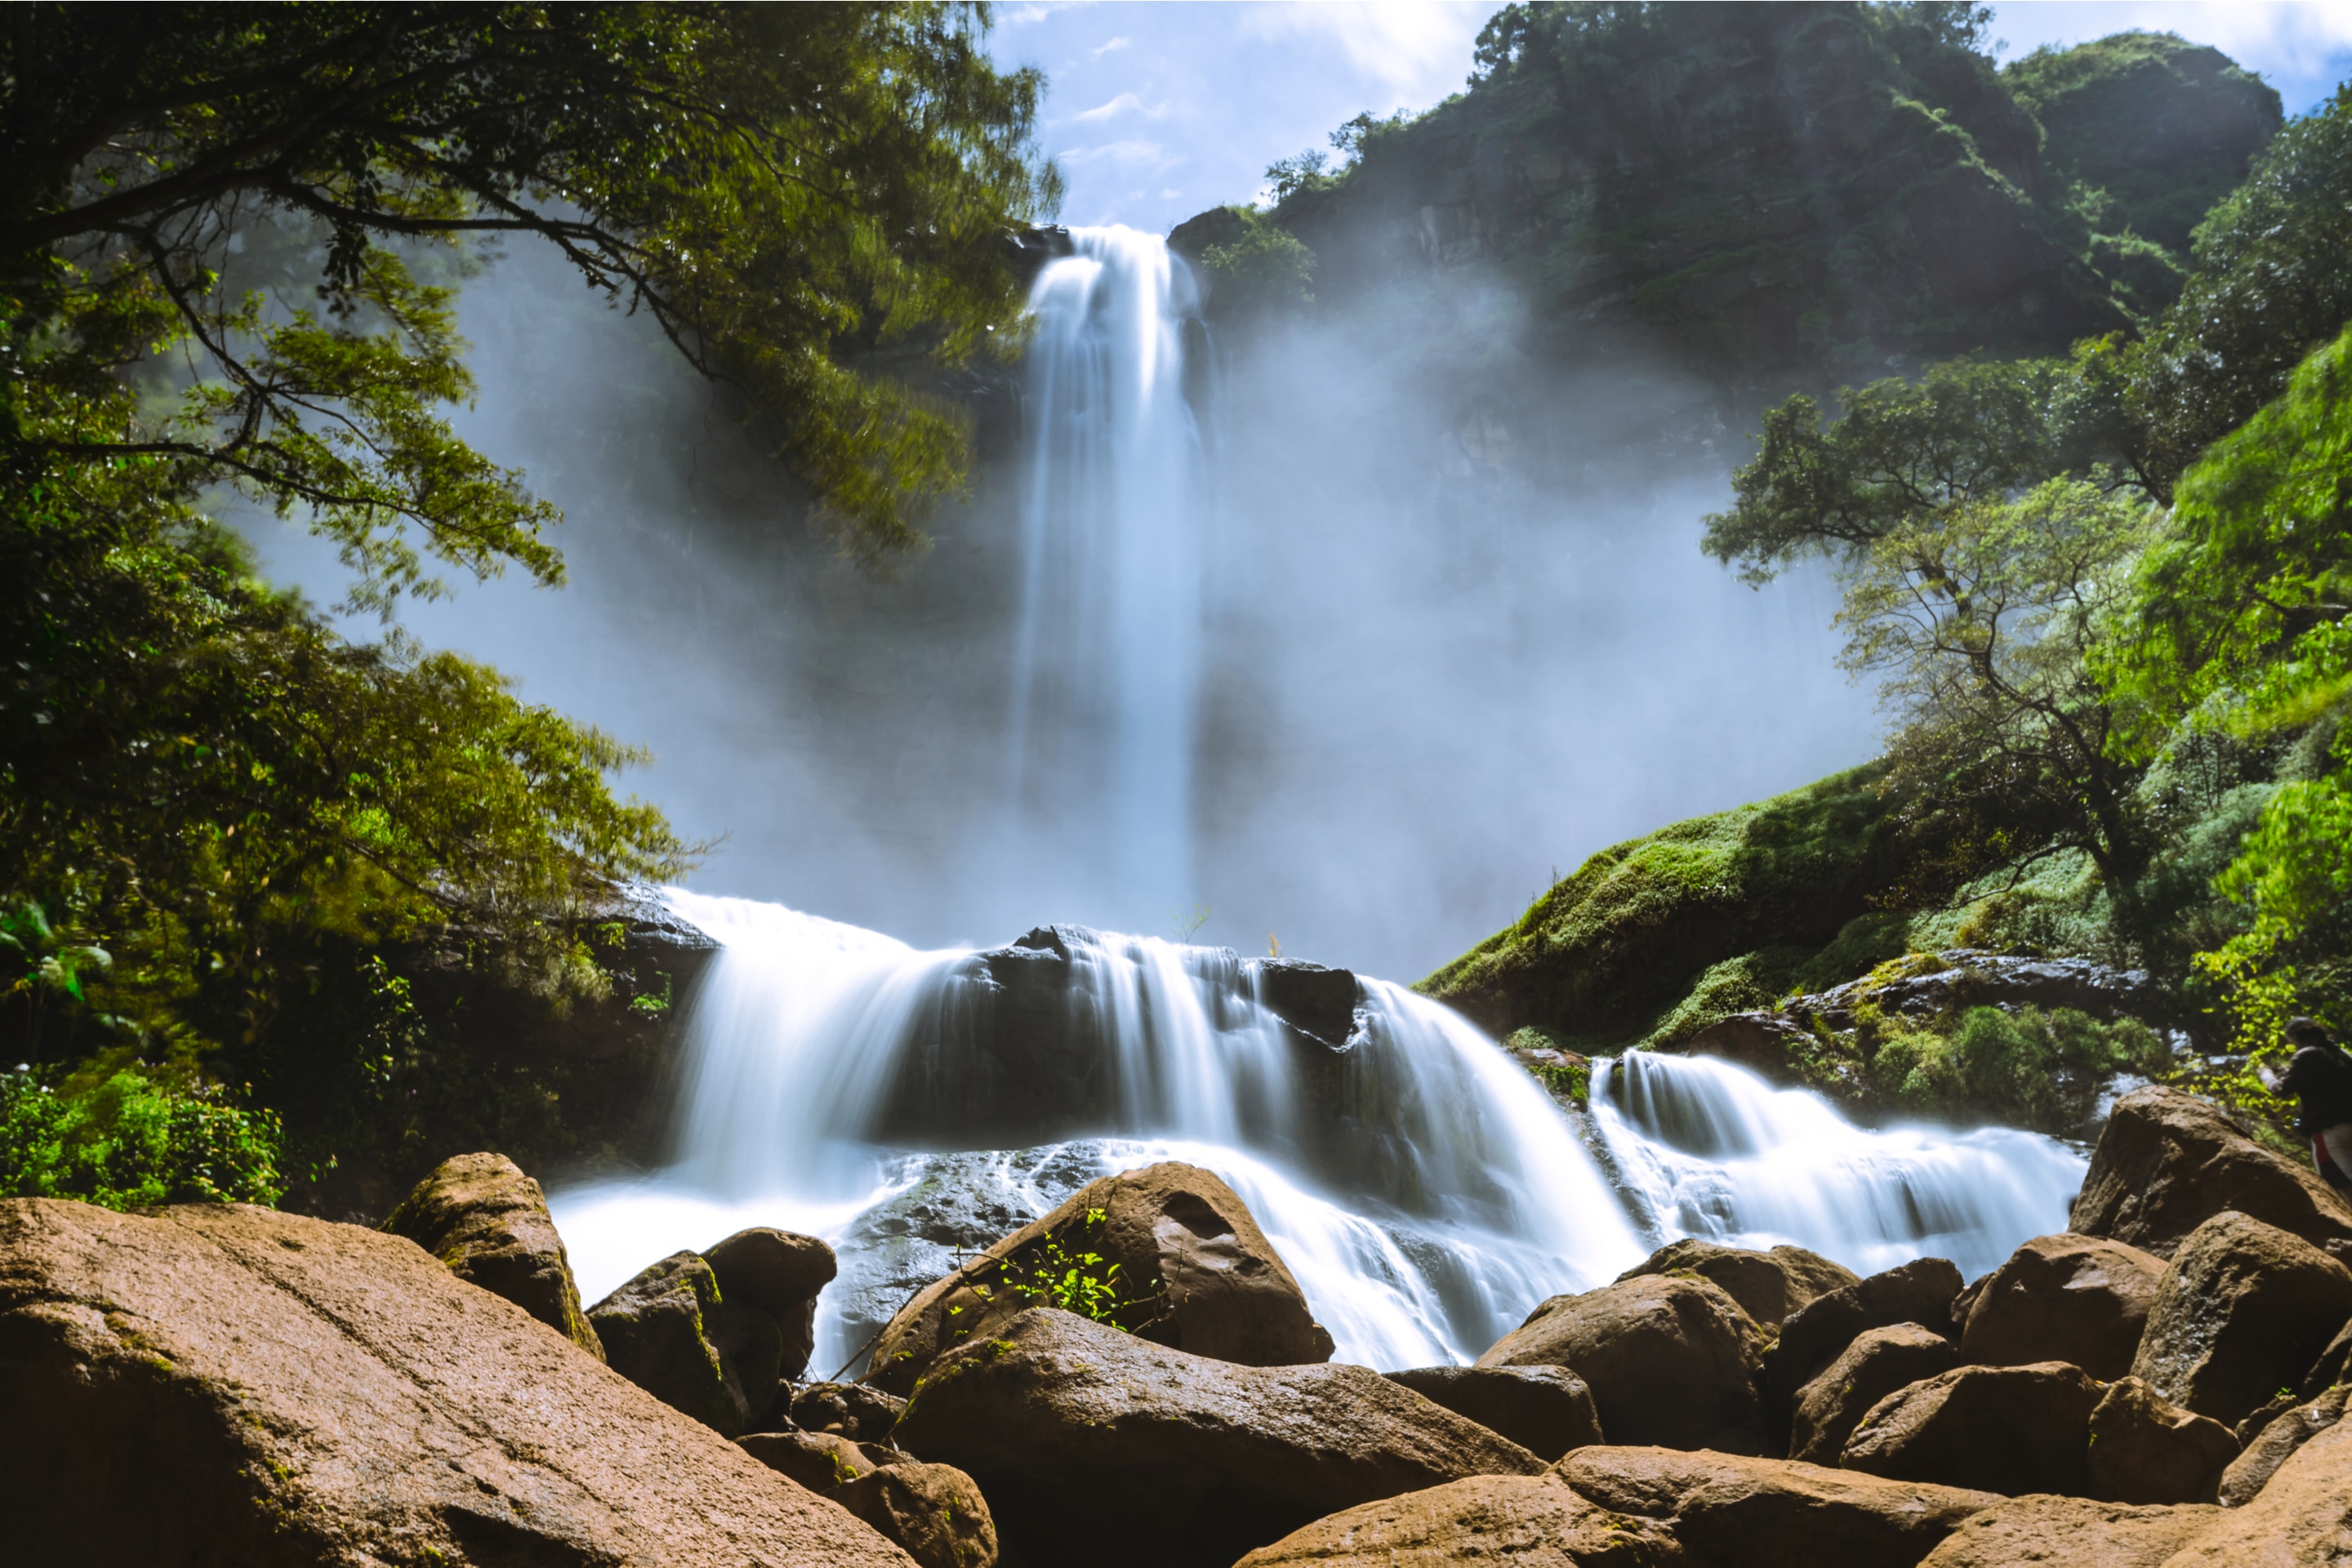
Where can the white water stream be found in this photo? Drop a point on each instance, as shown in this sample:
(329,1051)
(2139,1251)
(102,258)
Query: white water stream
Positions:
(1486,1198)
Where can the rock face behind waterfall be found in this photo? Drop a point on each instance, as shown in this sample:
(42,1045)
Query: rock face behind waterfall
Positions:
(1194,1273)
(215,1383)
(1082,1436)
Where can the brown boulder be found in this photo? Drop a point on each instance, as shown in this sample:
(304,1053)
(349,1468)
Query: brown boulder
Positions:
(2076,1298)
(2069,1532)
(1816,1333)
(1523,1521)
(488,1222)
(1878,1362)
(852,1410)
(2303,1519)
(1195,1274)
(2146,1450)
(1768,1285)
(933,1511)
(1740,1512)
(1078,1434)
(2244,1310)
(781,1273)
(1670,1360)
(817,1460)
(1547,1410)
(2277,1443)
(667,1332)
(2007,1430)
(223,1384)
(2167,1162)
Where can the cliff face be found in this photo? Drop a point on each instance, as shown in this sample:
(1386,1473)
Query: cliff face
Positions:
(1787,193)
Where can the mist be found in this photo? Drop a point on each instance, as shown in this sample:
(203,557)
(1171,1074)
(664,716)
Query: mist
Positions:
(1455,634)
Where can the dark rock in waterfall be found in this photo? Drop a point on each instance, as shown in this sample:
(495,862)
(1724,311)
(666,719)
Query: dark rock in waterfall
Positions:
(1919,1291)
(1547,1410)
(781,1274)
(1317,1001)
(1080,1435)
(1194,1272)
(1767,1044)
(668,1331)
(1768,1285)
(848,1410)
(482,1216)
(1880,1361)
(2144,1448)
(2076,1298)
(2167,1162)
(2276,1442)
(2243,1311)
(1670,1360)
(2007,1430)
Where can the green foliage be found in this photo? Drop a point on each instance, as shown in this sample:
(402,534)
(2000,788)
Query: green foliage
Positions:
(120,1137)
(2274,282)
(1266,271)
(2027,1069)
(1065,1272)
(777,186)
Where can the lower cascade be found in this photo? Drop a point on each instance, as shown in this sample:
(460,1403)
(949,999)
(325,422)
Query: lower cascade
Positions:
(911,1107)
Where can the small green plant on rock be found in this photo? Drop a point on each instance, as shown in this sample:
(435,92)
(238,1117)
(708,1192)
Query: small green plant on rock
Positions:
(1070,1275)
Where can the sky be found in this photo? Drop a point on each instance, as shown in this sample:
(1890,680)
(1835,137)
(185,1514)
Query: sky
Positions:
(1156,111)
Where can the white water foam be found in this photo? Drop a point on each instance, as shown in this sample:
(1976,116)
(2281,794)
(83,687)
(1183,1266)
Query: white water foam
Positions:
(1479,1200)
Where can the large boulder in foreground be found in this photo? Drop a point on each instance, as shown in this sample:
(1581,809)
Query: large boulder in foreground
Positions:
(1670,1360)
(2167,1162)
(2007,1430)
(1878,1362)
(1195,1274)
(2244,1310)
(2277,1442)
(2071,1532)
(933,1511)
(1526,1521)
(1768,1285)
(1741,1512)
(223,1384)
(2144,1449)
(779,1272)
(1815,1334)
(2302,1519)
(669,1330)
(2078,1298)
(1547,1410)
(1081,1434)
(488,1222)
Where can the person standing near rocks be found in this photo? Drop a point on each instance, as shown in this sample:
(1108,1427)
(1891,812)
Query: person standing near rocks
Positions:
(2320,1077)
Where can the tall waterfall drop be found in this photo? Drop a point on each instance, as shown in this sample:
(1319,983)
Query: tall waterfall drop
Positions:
(1099,745)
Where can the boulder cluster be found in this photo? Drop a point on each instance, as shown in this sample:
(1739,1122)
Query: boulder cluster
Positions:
(1137,1378)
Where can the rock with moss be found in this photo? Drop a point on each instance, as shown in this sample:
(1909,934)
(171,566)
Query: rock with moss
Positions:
(1768,1285)
(670,1330)
(488,1222)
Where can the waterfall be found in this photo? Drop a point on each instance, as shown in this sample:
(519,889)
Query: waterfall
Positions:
(1105,680)
(1710,1150)
(1424,1191)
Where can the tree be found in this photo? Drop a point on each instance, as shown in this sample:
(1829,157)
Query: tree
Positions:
(777,186)
(2274,281)
(1966,431)
(1980,617)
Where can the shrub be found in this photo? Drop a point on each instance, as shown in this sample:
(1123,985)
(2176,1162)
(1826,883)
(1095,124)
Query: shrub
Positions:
(123,1139)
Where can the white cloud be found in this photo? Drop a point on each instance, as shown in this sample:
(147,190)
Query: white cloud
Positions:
(1127,154)
(1125,103)
(1100,52)
(1415,50)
